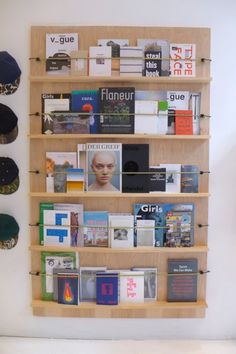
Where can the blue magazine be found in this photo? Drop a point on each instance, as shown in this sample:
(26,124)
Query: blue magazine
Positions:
(87,101)
(151,212)
(107,288)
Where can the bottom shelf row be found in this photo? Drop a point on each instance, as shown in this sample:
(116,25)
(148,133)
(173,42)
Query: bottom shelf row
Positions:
(158,309)
(102,292)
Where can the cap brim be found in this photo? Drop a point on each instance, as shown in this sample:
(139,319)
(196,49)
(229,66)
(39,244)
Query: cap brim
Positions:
(8,89)
(9,137)
(10,243)
(10,188)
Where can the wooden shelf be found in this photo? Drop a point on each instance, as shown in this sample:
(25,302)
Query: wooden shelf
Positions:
(145,310)
(146,250)
(117,136)
(117,79)
(117,195)
(183,149)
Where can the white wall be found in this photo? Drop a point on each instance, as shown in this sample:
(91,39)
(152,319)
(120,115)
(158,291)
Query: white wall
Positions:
(16,17)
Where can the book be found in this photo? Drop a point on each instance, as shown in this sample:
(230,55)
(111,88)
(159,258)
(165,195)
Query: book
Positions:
(154,212)
(182,59)
(79,62)
(75,180)
(162,45)
(157,179)
(68,286)
(96,228)
(99,61)
(121,229)
(162,107)
(67,122)
(173,177)
(177,100)
(53,102)
(189,178)
(58,50)
(152,63)
(183,122)
(182,280)
(131,61)
(135,166)
(145,233)
(56,165)
(162,121)
(194,105)
(43,206)
(87,101)
(115,45)
(179,224)
(107,288)
(131,286)
(146,117)
(76,221)
(56,228)
(116,110)
(103,165)
(150,283)
(51,260)
(87,283)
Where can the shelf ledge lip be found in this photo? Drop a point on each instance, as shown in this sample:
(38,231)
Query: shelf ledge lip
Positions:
(118,136)
(118,195)
(193,249)
(91,305)
(84,79)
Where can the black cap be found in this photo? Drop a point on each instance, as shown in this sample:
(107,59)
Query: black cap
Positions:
(9,176)
(8,125)
(9,74)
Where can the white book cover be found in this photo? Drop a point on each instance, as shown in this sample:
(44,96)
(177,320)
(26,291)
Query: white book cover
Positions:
(121,231)
(114,43)
(79,62)
(131,287)
(178,100)
(150,283)
(59,233)
(183,60)
(56,165)
(103,167)
(76,221)
(145,233)
(173,177)
(87,280)
(58,50)
(146,117)
(131,61)
(100,61)
(81,156)
(194,105)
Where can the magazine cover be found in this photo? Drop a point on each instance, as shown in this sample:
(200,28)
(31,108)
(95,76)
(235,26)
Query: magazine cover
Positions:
(56,165)
(116,110)
(58,49)
(51,260)
(103,167)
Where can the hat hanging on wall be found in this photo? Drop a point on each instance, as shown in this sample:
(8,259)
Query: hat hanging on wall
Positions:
(9,176)
(8,125)
(9,230)
(9,74)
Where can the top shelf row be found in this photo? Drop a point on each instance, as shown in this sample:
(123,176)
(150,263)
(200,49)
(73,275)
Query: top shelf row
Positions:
(62,54)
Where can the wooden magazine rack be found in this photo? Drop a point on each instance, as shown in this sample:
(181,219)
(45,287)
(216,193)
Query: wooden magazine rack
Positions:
(187,149)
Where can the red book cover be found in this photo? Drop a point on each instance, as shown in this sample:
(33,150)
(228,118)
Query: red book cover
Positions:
(183,122)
